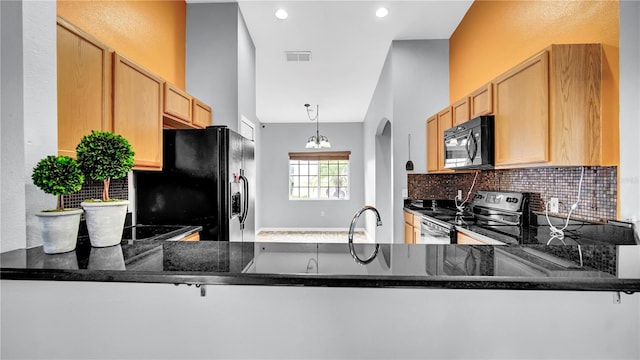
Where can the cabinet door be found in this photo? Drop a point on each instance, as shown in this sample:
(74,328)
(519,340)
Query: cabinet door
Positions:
(481,101)
(521,109)
(460,111)
(432,144)
(177,103)
(408,233)
(445,122)
(84,86)
(464,239)
(416,235)
(192,237)
(201,114)
(137,111)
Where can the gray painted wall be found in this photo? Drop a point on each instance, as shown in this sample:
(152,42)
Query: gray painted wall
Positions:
(271,322)
(378,193)
(29,115)
(212,59)
(12,218)
(630,110)
(246,73)
(413,85)
(275,208)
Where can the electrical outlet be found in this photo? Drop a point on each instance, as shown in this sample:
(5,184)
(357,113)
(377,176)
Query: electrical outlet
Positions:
(405,193)
(554,205)
(459,196)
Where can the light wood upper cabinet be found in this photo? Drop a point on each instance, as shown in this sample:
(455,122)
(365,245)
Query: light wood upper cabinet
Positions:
(460,111)
(481,101)
(521,109)
(84,86)
(432,144)
(548,111)
(580,133)
(201,114)
(445,122)
(177,104)
(436,125)
(137,111)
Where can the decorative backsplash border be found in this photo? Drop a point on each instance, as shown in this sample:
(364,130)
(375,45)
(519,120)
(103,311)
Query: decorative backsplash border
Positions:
(598,198)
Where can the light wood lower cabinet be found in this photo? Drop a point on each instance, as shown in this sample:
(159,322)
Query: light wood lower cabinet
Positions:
(411,228)
(84,86)
(192,237)
(137,111)
(464,239)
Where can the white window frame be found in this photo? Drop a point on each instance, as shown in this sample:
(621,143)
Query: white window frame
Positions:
(321,156)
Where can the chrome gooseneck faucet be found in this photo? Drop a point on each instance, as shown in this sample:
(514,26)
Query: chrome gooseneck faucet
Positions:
(352,229)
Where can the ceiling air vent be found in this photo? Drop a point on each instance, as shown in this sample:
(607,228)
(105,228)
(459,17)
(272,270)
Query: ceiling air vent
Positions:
(298,55)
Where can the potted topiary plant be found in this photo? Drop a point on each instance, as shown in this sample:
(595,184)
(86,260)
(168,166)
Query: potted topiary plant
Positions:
(104,156)
(58,175)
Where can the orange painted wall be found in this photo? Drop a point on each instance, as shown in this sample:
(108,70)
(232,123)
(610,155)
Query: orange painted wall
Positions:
(151,33)
(496,35)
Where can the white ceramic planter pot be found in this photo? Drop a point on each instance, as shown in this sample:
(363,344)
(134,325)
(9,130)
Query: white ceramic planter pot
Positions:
(59,230)
(105,221)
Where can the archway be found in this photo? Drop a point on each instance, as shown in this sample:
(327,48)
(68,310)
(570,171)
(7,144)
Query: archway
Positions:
(384,181)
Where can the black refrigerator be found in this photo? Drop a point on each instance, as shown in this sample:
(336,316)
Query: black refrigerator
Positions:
(207,179)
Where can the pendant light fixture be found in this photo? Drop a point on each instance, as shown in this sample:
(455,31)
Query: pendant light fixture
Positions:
(317,141)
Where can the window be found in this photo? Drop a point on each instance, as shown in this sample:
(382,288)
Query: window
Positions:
(319,175)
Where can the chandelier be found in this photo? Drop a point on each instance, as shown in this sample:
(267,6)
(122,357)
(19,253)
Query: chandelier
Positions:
(317,141)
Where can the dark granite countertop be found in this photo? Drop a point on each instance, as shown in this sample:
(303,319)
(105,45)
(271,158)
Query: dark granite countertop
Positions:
(533,267)
(537,231)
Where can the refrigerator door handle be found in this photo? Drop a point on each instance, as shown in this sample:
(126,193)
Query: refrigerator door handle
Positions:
(245,199)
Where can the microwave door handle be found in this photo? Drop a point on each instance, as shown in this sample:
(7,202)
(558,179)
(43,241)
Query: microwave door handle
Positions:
(466,147)
(471,154)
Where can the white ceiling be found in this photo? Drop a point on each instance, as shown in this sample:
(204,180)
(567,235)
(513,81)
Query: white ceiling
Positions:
(349,45)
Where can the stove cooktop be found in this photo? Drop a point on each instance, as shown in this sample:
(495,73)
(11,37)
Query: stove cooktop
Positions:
(537,230)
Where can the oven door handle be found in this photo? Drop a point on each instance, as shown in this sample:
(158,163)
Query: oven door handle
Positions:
(434,232)
(502,221)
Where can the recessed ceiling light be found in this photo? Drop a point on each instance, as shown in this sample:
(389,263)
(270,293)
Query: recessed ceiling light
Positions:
(282,14)
(382,12)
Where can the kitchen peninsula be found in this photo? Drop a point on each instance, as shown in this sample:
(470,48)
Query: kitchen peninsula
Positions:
(532,267)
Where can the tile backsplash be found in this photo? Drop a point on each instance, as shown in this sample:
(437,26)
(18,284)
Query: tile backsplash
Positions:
(598,196)
(93,190)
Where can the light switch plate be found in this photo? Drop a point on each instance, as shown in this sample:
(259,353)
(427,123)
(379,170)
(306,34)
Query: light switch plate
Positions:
(405,193)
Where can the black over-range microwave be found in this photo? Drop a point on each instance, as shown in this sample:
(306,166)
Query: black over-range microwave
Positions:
(470,144)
